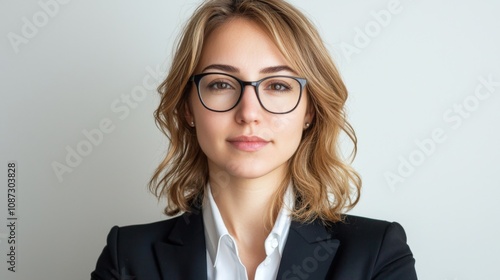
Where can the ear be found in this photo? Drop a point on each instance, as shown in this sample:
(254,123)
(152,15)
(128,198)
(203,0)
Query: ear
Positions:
(310,113)
(188,112)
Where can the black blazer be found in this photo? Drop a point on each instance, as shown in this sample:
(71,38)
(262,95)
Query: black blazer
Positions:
(358,248)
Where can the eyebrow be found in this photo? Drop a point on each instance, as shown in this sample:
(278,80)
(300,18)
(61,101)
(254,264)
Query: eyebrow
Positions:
(222,67)
(232,69)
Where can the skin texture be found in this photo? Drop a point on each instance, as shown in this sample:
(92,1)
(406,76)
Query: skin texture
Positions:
(245,175)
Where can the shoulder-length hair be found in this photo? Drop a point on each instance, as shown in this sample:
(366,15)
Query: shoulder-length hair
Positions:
(325,185)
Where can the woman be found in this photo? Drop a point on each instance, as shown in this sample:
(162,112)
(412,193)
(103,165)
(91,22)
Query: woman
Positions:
(253,107)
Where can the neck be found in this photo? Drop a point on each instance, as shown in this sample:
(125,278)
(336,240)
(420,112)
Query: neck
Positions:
(244,206)
(244,203)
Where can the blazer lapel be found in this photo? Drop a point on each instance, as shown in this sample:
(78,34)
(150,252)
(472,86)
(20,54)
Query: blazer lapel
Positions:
(308,252)
(183,254)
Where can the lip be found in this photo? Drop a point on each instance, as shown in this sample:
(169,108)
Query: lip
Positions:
(248,143)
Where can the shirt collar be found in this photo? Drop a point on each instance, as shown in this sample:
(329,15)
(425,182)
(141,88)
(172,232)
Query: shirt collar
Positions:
(215,228)
(213,223)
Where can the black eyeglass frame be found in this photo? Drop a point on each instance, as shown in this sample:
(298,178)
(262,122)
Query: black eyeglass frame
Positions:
(197,78)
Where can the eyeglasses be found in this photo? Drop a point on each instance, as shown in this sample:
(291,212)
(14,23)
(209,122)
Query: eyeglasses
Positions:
(220,92)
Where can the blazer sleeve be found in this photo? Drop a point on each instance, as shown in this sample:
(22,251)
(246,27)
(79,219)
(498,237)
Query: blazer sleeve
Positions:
(107,264)
(395,260)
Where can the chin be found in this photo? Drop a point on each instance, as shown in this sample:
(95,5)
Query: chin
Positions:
(251,171)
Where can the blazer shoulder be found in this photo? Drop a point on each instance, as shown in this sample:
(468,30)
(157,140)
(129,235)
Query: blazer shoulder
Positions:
(355,227)
(150,232)
(129,250)
(360,232)
(380,245)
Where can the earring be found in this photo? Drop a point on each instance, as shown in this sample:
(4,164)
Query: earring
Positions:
(307,125)
(191,124)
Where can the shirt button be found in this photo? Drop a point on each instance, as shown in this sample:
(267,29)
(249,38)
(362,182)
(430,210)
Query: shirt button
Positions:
(274,243)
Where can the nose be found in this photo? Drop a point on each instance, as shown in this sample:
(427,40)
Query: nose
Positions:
(249,109)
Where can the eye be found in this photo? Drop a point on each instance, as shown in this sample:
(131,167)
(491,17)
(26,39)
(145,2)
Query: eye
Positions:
(219,85)
(278,87)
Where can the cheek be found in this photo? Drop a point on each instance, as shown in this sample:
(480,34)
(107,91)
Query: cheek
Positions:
(287,136)
(211,129)
(288,125)
(292,127)
(208,127)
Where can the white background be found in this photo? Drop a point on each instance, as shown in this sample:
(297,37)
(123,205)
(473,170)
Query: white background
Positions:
(406,79)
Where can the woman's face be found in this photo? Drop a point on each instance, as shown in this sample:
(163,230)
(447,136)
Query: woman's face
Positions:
(247,141)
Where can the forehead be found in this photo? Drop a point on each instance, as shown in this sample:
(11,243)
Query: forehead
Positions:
(241,43)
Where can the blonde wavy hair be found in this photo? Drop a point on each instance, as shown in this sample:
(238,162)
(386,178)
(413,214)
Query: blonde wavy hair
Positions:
(325,185)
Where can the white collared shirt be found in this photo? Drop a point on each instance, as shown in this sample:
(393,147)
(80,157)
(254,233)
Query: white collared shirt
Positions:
(223,261)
